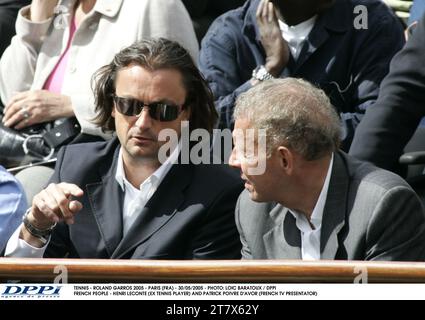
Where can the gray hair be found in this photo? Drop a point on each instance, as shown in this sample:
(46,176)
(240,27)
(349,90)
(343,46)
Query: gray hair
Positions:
(294,113)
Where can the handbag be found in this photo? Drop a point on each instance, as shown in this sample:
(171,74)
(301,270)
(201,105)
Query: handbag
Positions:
(37,143)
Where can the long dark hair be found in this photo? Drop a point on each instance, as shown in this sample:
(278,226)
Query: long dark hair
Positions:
(155,54)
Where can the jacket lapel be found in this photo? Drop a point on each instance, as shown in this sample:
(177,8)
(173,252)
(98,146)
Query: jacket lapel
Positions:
(335,209)
(284,240)
(106,198)
(158,211)
(314,41)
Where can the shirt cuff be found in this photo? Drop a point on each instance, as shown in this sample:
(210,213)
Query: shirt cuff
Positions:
(18,248)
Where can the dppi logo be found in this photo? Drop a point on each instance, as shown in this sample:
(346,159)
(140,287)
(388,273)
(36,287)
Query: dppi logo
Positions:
(30,291)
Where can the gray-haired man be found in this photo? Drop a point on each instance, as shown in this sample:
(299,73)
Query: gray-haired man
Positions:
(313,201)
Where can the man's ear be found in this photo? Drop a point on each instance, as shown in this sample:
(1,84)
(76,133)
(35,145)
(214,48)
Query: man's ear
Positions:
(286,159)
(113,112)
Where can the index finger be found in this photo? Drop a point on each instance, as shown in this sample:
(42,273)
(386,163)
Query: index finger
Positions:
(70,189)
(271,14)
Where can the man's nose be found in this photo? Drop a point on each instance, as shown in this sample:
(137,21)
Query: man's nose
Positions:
(233,160)
(144,120)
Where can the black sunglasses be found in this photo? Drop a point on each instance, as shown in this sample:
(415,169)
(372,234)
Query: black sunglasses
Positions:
(158,110)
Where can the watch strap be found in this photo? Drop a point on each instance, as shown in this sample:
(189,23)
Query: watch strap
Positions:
(42,234)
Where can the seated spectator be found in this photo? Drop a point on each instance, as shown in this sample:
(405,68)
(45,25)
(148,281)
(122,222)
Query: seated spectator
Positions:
(312,39)
(12,206)
(389,125)
(315,202)
(119,201)
(58,47)
(8,12)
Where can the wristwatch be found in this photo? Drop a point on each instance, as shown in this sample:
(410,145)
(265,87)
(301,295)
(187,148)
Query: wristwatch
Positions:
(42,234)
(260,73)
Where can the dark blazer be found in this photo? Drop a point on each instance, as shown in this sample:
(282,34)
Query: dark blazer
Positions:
(190,216)
(387,127)
(348,64)
(369,214)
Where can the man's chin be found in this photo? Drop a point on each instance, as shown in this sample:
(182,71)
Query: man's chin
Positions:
(141,153)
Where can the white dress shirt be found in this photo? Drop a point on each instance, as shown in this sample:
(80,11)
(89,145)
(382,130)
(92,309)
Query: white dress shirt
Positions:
(134,201)
(296,35)
(310,238)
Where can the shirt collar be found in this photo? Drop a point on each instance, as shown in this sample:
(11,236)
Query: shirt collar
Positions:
(317,214)
(301,29)
(159,173)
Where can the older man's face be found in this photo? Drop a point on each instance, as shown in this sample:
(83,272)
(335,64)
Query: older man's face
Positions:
(138,135)
(257,170)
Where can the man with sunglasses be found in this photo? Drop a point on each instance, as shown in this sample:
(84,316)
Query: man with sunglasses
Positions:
(116,199)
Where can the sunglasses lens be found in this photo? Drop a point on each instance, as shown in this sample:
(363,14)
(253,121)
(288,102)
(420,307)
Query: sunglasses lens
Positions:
(158,111)
(128,107)
(163,112)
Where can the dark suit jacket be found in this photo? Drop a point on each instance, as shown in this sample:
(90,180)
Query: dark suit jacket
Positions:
(390,123)
(369,214)
(190,216)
